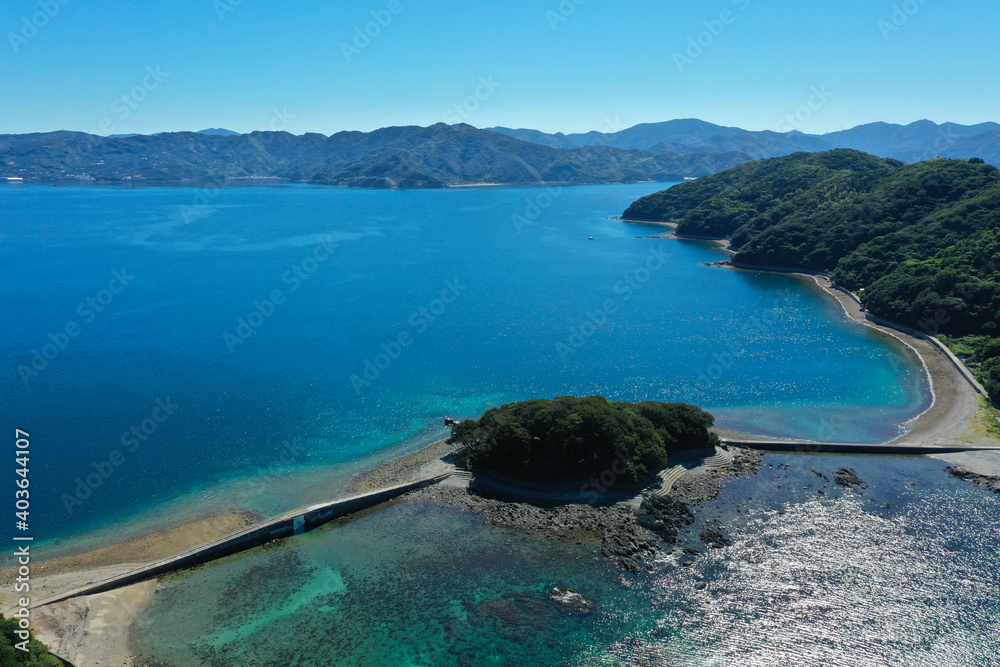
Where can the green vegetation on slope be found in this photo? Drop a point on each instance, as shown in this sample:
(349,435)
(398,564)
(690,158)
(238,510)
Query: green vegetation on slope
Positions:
(392,157)
(570,439)
(37,654)
(919,243)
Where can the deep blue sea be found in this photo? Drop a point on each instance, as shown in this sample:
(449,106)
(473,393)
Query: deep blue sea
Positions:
(166,346)
(253,347)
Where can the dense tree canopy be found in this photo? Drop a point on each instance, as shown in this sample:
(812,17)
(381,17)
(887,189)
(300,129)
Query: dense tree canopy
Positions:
(571,439)
(920,243)
(37,654)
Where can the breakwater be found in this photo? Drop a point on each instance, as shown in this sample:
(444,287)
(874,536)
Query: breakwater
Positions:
(285,525)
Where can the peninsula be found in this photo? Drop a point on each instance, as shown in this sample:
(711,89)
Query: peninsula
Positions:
(918,245)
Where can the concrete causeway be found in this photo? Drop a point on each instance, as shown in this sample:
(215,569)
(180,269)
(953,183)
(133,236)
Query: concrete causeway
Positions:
(309,517)
(273,529)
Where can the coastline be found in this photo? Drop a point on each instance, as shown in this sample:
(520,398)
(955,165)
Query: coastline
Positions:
(957,412)
(723,243)
(95,628)
(950,418)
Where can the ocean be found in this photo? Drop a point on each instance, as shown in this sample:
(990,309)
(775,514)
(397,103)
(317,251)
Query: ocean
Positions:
(174,351)
(163,346)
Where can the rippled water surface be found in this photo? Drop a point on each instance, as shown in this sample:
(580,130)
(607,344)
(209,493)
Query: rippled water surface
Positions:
(299,391)
(902,571)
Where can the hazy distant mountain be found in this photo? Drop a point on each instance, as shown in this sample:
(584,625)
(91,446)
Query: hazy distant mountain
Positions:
(915,142)
(219,132)
(390,157)
(8,140)
(212,131)
(758,144)
(681,136)
(911,143)
(455,154)
(644,136)
(985,145)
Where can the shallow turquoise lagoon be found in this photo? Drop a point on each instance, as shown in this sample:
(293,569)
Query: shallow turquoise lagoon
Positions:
(900,572)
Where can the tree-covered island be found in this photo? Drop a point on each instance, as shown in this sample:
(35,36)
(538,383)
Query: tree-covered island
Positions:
(571,439)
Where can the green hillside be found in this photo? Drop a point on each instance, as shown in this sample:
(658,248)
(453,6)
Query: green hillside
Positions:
(919,243)
(392,157)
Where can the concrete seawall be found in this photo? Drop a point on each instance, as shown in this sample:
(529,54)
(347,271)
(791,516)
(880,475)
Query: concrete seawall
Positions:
(274,529)
(845,448)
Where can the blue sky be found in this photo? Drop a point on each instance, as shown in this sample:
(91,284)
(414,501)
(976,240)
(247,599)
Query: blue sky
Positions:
(572,65)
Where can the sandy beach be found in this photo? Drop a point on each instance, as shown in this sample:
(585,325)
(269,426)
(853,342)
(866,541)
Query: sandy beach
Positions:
(93,630)
(958,414)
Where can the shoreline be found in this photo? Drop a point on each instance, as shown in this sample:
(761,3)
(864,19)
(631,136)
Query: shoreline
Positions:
(955,412)
(94,629)
(955,404)
(87,629)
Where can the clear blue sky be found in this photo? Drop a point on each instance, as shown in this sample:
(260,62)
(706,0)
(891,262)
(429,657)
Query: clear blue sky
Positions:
(232,63)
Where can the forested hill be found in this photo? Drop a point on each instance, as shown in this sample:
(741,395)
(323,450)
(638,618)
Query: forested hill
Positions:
(391,157)
(920,243)
(573,439)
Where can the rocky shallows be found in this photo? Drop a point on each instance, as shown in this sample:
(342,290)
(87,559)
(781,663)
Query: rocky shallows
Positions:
(989,481)
(628,531)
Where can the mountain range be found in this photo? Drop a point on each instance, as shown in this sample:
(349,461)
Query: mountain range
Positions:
(915,142)
(435,156)
(443,155)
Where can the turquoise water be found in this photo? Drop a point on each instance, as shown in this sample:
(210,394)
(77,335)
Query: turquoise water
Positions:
(836,579)
(291,332)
